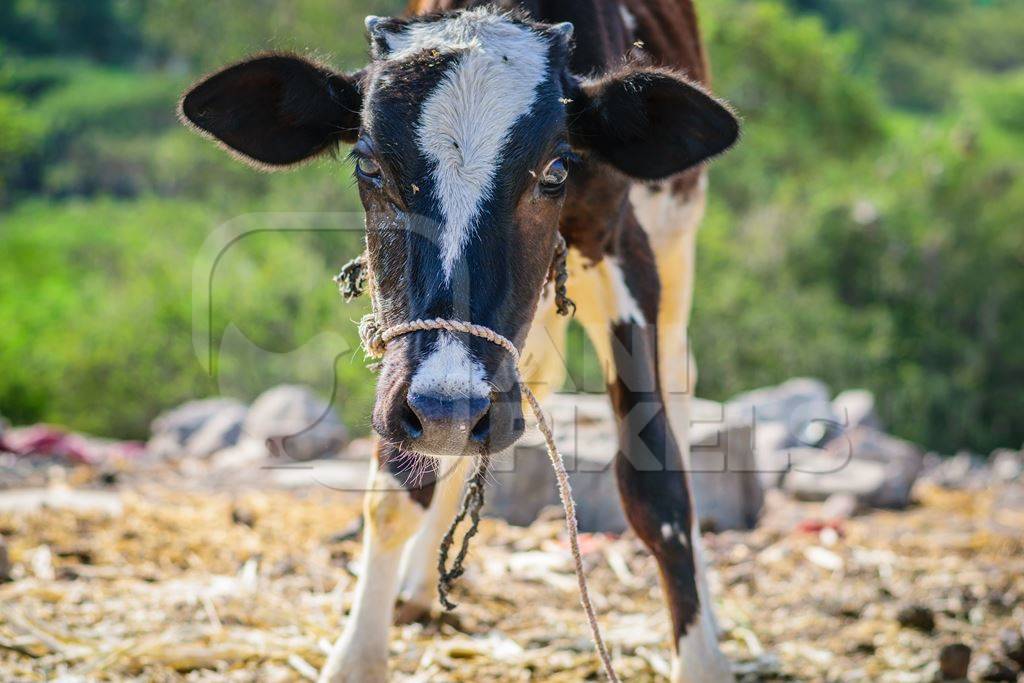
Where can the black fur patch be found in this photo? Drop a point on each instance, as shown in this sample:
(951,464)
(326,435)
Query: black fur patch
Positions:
(275,109)
(650,123)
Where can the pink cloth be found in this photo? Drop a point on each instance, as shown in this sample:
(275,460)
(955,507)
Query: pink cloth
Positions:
(47,440)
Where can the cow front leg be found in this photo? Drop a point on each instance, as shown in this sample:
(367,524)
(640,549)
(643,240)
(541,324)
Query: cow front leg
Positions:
(656,498)
(419,565)
(392,513)
(618,300)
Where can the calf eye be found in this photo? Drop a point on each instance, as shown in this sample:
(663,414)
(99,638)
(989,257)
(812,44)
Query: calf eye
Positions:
(367,167)
(554,176)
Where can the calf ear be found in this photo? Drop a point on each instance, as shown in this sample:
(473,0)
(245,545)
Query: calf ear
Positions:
(649,123)
(275,109)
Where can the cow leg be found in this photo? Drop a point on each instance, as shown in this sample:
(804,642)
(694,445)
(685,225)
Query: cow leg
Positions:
(419,564)
(617,298)
(671,217)
(394,507)
(656,498)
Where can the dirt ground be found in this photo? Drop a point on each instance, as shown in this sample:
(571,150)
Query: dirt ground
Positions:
(252,586)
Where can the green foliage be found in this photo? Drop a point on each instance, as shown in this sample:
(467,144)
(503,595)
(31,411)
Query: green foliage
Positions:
(867,230)
(20,132)
(893,261)
(103,296)
(105,30)
(332,29)
(920,49)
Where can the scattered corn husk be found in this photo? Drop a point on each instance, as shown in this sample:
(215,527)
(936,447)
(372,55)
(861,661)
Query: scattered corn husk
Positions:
(175,588)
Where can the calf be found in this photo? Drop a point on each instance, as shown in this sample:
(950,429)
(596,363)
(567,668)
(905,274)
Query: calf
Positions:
(479,134)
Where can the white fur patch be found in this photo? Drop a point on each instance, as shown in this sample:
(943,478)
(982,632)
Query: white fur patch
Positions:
(626,307)
(670,531)
(666,217)
(698,659)
(466,120)
(449,371)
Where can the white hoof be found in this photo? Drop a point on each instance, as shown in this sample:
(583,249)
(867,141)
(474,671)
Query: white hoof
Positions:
(363,672)
(347,664)
(698,659)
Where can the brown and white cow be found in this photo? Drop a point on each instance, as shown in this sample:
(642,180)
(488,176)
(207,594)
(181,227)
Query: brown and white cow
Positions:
(478,133)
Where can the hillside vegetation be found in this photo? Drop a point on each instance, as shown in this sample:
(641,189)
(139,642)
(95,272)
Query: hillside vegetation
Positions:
(867,230)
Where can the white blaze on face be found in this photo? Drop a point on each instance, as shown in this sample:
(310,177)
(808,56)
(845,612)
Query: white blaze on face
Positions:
(449,371)
(467,119)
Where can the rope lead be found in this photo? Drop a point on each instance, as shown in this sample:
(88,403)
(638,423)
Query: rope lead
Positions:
(472,503)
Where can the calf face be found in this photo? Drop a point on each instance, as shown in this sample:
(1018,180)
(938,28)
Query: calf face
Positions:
(465,131)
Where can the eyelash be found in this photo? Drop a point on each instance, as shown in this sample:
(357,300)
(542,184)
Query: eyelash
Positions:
(354,157)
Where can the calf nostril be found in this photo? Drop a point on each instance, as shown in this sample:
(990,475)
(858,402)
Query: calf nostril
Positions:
(482,428)
(429,417)
(411,421)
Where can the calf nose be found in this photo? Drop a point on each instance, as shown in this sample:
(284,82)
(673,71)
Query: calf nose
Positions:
(446,425)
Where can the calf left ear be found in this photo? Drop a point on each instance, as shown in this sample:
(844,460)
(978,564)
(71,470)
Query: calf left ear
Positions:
(649,123)
(275,109)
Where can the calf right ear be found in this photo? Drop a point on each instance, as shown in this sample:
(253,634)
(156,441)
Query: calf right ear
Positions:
(649,123)
(275,110)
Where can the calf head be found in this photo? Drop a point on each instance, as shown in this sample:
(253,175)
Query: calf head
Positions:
(465,130)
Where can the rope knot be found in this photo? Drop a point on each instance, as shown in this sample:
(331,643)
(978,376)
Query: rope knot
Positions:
(351,279)
(371,336)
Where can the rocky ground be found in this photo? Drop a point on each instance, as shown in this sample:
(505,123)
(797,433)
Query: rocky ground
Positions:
(141,576)
(225,548)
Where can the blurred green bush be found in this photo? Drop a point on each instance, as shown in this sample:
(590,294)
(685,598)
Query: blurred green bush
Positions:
(867,230)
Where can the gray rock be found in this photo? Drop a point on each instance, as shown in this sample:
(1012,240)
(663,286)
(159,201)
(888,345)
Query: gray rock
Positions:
(524,483)
(963,470)
(878,469)
(221,431)
(727,491)
(839,506)
(1007,465)
(31,500)
(337,475)
(813,423)
(817,476)
(171,430)
(724,476)
(795,413)
(776,404)
(770,452)
(295,423)
(856,408)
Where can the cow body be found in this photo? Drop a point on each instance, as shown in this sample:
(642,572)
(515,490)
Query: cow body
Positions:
(479,135)
(631,265)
